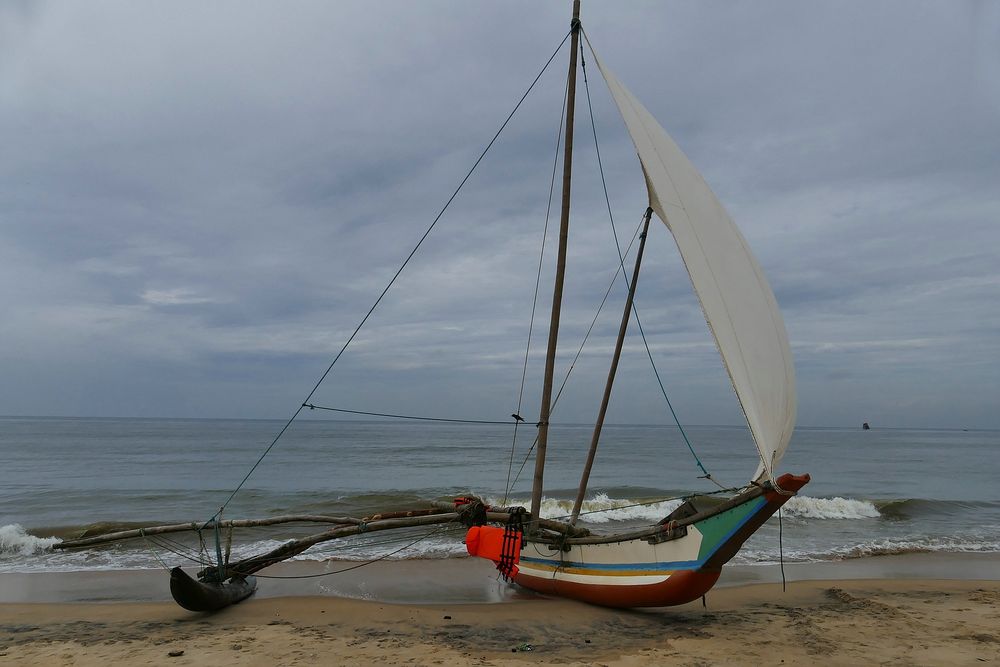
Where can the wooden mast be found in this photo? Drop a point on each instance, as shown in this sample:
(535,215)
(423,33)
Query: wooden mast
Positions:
(585,478)
(550,355)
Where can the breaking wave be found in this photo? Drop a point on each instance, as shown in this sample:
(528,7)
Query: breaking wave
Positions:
(602,509)
(17,541)
(807,507)
(916,545)
(816,529)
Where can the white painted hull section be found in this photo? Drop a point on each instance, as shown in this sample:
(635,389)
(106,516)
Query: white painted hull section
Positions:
(631,563)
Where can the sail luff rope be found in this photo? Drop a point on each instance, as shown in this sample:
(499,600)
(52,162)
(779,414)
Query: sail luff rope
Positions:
(635,308)
(390,284)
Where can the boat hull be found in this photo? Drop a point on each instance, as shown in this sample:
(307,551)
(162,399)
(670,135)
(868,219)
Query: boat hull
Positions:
(647,573)
(196,595)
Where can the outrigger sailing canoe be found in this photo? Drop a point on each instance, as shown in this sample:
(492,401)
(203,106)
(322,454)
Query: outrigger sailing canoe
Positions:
(681,559)
(674,561)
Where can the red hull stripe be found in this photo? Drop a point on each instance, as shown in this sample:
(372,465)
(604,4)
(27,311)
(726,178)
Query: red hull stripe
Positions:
(680,588)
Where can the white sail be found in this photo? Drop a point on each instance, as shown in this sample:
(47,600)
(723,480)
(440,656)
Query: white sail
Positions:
(738,304)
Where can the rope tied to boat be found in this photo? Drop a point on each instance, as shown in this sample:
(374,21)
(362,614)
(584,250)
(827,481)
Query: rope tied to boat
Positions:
(174,547)
(516,417)
(534,300)
(471,511)
(773,479)
(781,553)
(510,549)
(223,564)
(392,281)
(709,477)
(152,551)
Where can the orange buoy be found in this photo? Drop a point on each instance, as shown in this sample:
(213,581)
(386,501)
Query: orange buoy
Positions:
(495,544)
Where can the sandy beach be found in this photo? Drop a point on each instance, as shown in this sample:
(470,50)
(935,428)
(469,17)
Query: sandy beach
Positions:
(834,622)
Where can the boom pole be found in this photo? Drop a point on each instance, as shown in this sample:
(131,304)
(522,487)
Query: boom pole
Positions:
(599,425)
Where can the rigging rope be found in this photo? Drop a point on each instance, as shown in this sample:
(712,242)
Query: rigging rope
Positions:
(781,553)
(153,551)
(177,549)
(538,279)
(579,351)
(513,420)
(635,308)
(359,565)
(390,284)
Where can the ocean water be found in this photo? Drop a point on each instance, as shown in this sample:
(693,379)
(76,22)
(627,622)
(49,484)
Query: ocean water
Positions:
(884,491)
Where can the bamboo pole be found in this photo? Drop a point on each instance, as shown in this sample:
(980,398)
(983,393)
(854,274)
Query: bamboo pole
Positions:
(295,547)
(438,509)
(501,516)
(196,525)
(557,290)
(622,328)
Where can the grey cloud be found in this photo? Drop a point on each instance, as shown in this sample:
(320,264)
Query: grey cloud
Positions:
(202,201)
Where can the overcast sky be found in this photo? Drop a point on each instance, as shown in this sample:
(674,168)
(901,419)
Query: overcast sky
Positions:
(199,202)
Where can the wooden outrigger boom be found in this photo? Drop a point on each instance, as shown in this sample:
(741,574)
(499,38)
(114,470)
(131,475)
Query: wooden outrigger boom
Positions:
(220,586)
(440,511)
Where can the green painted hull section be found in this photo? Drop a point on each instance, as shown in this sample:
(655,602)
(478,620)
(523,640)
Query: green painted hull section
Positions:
(717,529)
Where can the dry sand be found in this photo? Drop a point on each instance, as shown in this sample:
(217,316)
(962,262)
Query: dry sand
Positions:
(857,622)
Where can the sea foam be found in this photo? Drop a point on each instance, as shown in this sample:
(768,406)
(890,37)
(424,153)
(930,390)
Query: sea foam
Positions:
(16,540)
(806,507)
(919,544)
(601,508)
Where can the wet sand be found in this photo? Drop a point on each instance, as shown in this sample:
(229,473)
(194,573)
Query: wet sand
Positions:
(906,609)
(455,580)
(836,622)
